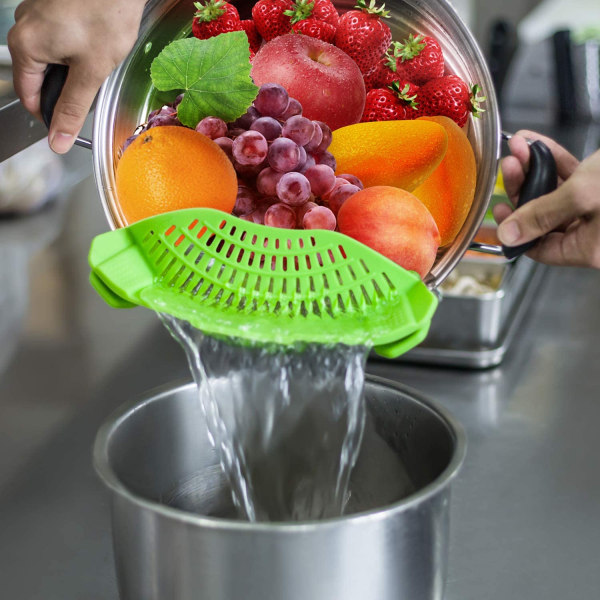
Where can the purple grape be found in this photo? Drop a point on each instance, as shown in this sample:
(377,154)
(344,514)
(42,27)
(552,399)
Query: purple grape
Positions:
(212,127)
(302,210)
(235,132)
(268,126)
(128,142)
(250,148)
(315,140)
(321,178)
(272,100)
(152,115)
(299,129)
(327,159)
(246,119)
(353,179)
(245,202)
(284,155)
(247,171)
(319,217)
(178,100)
(163,120)
(294,108)
(327,137)
(266,182)
(293,189)
(280,215)
(226,145)
(339,195)
(301,160)
(308,163)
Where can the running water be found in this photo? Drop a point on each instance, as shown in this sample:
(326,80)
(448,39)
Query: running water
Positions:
(286,421)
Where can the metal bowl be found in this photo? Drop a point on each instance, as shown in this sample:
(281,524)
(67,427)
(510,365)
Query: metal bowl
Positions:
(127,97)
(175,538)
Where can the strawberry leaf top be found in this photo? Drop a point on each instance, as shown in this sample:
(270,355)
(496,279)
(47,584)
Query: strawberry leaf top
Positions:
(403,94)
(476,110)
(373,9)
(303,9)
(410,48)
(391,58)
(214,74)
(211,10)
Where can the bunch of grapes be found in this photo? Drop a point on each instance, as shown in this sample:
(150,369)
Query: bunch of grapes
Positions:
(286,175)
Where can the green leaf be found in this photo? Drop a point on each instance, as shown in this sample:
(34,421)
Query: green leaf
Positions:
(213,73)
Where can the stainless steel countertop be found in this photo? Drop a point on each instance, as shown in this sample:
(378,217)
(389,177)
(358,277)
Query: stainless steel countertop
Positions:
(526,507)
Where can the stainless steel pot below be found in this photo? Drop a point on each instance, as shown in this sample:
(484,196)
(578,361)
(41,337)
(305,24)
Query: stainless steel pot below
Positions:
(174,540)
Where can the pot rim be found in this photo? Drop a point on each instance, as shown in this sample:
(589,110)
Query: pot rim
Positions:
(111,480)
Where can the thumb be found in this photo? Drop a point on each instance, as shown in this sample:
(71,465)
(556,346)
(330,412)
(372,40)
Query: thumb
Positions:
(72,107)
(536,218)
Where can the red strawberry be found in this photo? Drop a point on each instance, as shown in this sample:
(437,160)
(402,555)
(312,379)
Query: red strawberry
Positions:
(315,28)
(270,19)
(384,75)
(418,59)
(253,36)
(322,10)
(449,96)
(214,17)
(390,104)
(363,35)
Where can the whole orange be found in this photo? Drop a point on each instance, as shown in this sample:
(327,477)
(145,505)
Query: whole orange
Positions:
(169,168)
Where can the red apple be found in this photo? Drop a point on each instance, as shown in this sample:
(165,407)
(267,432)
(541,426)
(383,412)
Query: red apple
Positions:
(323,78)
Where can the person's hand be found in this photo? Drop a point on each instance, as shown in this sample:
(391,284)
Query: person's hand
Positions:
(567,220)
(91,37)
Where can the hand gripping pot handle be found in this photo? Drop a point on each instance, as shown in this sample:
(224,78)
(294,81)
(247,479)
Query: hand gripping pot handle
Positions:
(54,80)
(540,179)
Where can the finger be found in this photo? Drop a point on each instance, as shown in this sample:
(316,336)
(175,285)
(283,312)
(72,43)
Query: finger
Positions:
(72,107)
(520,149)
(562,249)
(502,212)
(513,176)
(28,85)
(566,163)
(538,217)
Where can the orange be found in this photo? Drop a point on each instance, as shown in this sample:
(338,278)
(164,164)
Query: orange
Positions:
(395,153)
(170,168)
(449,191)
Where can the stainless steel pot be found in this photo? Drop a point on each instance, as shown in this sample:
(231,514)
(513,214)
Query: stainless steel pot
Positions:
(173,538)
(127,97)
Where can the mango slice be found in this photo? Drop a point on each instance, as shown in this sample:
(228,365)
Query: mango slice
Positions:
(449,191)
(396,153)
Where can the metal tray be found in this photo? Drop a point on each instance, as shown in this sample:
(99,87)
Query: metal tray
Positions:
(476,331)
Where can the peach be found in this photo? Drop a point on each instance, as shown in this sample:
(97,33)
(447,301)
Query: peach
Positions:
(449,191)
(323,78)
(395,223)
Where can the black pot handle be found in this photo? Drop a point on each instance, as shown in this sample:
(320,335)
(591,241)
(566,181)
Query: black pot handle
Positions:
(54,81)
(541,179)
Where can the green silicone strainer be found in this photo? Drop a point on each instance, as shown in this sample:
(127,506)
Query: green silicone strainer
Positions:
(227,276)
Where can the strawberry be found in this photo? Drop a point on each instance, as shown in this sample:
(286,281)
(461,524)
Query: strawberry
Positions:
(363,35)
(270,19)
(418,59)
(253,36)
(384,75)
(449,96)
(322,10)
(315,28)
(390,104)
(214,17)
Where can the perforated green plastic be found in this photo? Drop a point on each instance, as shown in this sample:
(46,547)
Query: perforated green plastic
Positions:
(227,276)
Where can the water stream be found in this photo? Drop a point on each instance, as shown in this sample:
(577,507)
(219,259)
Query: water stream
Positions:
(288,429)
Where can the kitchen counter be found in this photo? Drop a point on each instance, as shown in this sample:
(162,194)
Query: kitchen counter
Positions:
(525,519)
